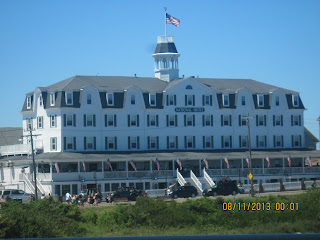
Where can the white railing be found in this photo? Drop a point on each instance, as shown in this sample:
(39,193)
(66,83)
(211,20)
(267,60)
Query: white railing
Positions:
(28,183)
(19,149)
(196,181)
(208,178)
(40,187)
(165,39)
(181,179)
(24,177)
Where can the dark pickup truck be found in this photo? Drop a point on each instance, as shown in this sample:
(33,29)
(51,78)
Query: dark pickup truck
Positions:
(127,193)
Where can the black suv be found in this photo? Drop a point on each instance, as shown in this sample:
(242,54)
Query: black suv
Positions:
(184,191)
(129,193)
(223,187)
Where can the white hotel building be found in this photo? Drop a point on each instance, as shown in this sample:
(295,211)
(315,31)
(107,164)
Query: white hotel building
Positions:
(86,120)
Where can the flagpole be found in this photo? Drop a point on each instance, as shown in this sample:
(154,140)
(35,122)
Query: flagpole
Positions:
(165,21)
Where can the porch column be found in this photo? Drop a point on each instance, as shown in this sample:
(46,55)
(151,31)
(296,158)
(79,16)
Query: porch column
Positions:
(283,167)
(127,169)
(220,166)
(302,165)
(79,167)
(262,159)
(200,172)
(173,170)
(151,166)
(102,166)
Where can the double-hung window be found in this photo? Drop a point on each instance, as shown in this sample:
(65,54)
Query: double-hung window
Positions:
(243,141)
(133,99)
(89,98)
(29,124)
(208,141)
(261,141)
(40,100)
(277,100)
(110,101)
(296,120)
(29,102)
(172,120)
(243,100)
(295,100)
(260,99)
(278,141)
(52,99)
(190,100)
(225,100)
(69,143)
(171,100)
(40,122)
(69,98)
(53,121)
(111,143)
(152,100)
(172,141)
(226,141)
(53,144)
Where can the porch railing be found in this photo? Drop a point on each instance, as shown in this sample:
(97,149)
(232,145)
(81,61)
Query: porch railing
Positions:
(208,178)
(196,181)
(180,178)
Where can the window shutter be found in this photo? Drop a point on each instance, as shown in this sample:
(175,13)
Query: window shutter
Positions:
(115,143)
(281,120)
(176,120)
(167,120)
(300,141)
(203,141)
(128,120)
(202,100)
(281,140)
(157,120)
(185,141)
(148,119)
(257,141)
(137,120)
(230,141)
(115,120)
(167,142)
(221,120)
(194,141)
(94,120)
(175,99)
(129,143)
(167,100)
(230,120)
(211,120)
(64,143)
(299,120)
(148,139)
(74,120)
(203,123)
(84,120)
(106,120)
(212,145)
(185,100)
(292,141)
(106,142)
(193,100)
(74,143)
(138,142)
(37,122)
(291,120)
(274,141)
(274,120)
(64,120)
(265,141)
(240,142)
(239,120)
(210,100)
(177,145)
(265,120)
(85,143)
(257,120)
(157,142)
(194,120)
(222,143)
(185,120)
(94,143)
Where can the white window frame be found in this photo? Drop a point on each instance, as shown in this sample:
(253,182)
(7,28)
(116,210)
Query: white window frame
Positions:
(261,120)
(52,99)
(243,141)
(89,98)
(226,120)
(296,139)
(53,144)
(28,102)
(153,142)
(189,120)
(69,143)
(206,100)
(295,100)
(110,120)
(53,121)
(40,100)
(261,139)
(89,122)
(277,101)
(243,100)
(69,120)
(89,143)
(207,120)
(172,119)
(278,139)
(152,120)
(133,99)
(172,142)
(207,142)
(227,141)
(170,100)
(243,120)
(69,98)
(190,142)
(134,142)
(152,100)
(29,124)
(133,120)
(111,143)
(225,100)
(189,100)
(40,122)
(295,120)
(260,99)
(277,120)
(110,101)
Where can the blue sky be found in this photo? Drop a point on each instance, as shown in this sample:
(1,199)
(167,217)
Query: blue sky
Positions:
(272,41)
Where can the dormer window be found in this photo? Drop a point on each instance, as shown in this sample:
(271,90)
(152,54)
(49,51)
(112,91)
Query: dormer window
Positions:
(277,100)
(152,99)
(225,99)
(69,98)
(110,101)
(243,100)
(52,99)
(40,100)
(260,99)
(29,102)
(89,98)
(295,100)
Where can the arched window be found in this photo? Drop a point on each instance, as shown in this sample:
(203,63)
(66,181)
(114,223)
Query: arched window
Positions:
(189,87)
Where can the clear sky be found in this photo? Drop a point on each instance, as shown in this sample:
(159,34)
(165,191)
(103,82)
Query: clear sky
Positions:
(272,41)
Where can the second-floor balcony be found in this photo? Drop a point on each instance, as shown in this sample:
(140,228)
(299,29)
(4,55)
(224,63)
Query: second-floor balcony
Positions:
(21,149)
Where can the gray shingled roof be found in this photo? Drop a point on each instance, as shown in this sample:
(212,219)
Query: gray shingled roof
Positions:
(10,135)
(118,83)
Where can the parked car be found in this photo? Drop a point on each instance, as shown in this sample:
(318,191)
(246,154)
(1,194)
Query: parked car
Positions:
(14,194)
(223,187)
(127,193)
(184,191)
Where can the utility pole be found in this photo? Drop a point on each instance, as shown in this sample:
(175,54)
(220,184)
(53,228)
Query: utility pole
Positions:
(33,162)
(249,146)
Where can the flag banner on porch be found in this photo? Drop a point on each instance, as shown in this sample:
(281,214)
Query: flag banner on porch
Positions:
(268,161)
(172,20)
(309,162)
(109,164)
(289,162)
(133,165)
(227,162)
(84,166)
(158,164)
(248,162)
(206,163)
(57,168)
(179,163)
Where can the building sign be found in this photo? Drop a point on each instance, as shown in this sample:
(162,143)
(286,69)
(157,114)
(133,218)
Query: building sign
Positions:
(189,109)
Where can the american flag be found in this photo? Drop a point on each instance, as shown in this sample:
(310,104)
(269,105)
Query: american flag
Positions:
(133,165)
(206,163)
(248,162)
(179,163)
(227,162)
(158,164)
(268,160)
(84,166)
(57,168)
(289,162)
(172,20)
(109,164)
(309,162)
